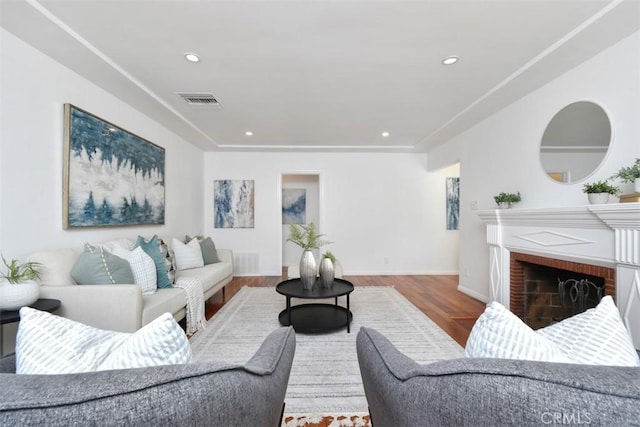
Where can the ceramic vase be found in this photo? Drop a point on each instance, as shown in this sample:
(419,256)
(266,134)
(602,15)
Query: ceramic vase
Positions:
(14,296)
(636,185)
(308,269)
(504,205)
(327,272)
(598,198)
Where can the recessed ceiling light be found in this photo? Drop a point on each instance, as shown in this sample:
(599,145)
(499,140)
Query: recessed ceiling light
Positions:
(385,134)
(248,133)
(191,57)
(450,60)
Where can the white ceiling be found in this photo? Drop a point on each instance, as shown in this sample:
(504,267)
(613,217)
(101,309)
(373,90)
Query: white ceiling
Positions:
(320,75)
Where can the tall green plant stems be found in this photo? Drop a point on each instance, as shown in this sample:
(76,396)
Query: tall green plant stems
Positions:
(306,236)
(629,173)
(17,273)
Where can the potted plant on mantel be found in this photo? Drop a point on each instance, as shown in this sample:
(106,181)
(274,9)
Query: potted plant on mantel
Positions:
(599,192)
(506,200)
(17,285)
(630,174)
(308,239)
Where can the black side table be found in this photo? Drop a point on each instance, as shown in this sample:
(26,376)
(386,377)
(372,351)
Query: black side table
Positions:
(12,316)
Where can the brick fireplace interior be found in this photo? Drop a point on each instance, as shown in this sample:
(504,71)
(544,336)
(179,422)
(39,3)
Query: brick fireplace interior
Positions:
(534,292)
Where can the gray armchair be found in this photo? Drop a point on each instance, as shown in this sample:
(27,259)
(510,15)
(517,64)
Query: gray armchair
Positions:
(213,394)
(492,392)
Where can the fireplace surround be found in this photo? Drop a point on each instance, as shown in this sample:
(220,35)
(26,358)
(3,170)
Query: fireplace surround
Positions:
(600,240)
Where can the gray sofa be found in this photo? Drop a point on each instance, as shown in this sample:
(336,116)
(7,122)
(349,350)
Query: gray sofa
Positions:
(196,394)
(492,392)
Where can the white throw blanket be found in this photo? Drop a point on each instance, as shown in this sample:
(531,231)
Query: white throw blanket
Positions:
(195,303)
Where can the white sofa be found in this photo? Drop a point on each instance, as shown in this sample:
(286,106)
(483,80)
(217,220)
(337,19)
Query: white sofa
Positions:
(121,307)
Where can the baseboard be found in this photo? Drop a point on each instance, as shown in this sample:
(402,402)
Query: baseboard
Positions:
(473,294)
(402,273)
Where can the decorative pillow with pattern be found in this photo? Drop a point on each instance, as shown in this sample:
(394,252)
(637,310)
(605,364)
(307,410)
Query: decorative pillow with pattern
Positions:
(595,337)
(169,259)
(48,344)
(152,249)
(142,266)
(97,266)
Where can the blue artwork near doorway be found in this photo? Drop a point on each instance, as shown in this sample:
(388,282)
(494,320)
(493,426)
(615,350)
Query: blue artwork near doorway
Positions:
(294,205)
(453,203)
(233,203)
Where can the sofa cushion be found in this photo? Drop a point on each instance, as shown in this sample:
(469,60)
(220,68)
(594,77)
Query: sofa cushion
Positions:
(96,266)
(142,266)
(594,337)
(208,248)
(498,333)
(169,300)
(187,256)
(48,344)
(56,265)
(152,249)
(209,275)
(169,259)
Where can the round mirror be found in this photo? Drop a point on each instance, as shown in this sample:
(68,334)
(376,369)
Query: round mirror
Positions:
(575,142)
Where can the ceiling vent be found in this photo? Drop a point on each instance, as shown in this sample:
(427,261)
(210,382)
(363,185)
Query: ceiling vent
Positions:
(201,100)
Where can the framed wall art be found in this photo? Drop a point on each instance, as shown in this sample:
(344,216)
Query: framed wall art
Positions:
(233,203)
(453,203)
(294,205)
(111,176)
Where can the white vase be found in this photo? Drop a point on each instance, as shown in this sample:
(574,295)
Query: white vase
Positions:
(598,198)
(636,185)
(14,296)
(308,269)
(327,272)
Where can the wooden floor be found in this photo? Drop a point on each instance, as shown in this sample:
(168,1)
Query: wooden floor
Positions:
(436,296)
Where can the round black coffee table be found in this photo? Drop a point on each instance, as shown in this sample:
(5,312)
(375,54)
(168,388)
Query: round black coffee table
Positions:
(11,316)
(315,318)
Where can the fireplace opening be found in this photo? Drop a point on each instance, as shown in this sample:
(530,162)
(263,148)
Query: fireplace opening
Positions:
(536,283)
(551,294)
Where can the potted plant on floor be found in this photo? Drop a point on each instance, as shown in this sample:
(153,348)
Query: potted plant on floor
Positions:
(17,285)
(630,174)
(599,192)
(308,239)
(506,200)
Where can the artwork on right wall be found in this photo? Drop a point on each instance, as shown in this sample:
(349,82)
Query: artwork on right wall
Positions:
(453,202)
(294,205)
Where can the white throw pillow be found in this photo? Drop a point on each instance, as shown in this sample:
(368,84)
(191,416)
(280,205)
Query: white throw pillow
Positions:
(498,333)
(595,337)
(48,344)
(187,256)
(142,267)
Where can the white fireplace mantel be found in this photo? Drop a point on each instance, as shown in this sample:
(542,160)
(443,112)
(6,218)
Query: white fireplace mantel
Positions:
(607,235)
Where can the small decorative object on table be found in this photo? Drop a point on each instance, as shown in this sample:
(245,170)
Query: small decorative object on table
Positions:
(630,174)
(327,269)
(17,285)
(506,200)
(308,239)
(598,192)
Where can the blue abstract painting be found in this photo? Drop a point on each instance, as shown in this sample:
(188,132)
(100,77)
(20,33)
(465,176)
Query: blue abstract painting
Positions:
(233,203)
(112,177)
(294,205)
(453,203)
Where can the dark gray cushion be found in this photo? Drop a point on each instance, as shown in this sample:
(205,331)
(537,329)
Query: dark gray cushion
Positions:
(477,392)
(214,394)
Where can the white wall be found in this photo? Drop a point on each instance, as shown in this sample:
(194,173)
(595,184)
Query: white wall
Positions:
(34,89)
(373,206)
(291,253)
(501,153)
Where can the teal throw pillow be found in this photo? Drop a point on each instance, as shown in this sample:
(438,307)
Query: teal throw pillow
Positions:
(151,249)
(208,248)
(97,266)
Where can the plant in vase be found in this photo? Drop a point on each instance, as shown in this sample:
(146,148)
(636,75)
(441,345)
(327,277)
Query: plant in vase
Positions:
(598,192)
(506,200)
(308,239)
(327,269)
(630,174)
(17,285)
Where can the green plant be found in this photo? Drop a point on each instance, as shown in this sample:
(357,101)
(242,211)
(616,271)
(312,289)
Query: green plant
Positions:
(629,173)
(329,255)
(17,273)
(600,187)
(306,236)
(507,198)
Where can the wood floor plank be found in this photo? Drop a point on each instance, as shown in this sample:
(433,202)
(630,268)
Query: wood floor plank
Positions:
(436,296)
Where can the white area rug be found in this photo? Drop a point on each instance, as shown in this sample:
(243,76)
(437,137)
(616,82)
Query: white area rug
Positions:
(325,377)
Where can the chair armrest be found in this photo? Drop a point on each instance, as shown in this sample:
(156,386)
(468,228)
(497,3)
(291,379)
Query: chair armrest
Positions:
(111,307)
(225,255)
